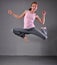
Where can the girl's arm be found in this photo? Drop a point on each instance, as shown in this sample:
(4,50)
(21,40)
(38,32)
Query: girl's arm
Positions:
(42,20)
(10,12)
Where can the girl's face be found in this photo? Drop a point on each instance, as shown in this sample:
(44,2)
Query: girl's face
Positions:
(34,7)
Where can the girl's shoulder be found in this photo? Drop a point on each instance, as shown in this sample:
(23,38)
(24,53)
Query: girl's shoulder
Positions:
(26,10)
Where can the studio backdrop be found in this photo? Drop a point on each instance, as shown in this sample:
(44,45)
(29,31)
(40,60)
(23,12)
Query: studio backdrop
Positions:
(11,44)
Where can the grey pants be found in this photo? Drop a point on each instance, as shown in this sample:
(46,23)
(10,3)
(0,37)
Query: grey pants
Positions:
(21,32)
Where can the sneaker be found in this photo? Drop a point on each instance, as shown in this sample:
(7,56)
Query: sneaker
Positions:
(44,30)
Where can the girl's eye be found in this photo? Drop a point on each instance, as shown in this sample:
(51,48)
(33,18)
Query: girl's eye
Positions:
(33,6)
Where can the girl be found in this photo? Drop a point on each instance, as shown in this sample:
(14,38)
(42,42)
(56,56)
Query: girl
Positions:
(29,27)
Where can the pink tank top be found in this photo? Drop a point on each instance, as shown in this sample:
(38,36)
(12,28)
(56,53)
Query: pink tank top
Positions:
(29,20)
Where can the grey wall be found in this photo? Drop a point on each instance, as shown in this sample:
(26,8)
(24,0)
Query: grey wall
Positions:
(11,44)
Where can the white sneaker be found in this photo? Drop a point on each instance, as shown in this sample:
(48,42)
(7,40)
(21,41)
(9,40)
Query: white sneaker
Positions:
(44,30)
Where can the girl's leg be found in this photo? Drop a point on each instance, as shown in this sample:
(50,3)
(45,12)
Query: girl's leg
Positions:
(21,32)
(38,33)
(18,32)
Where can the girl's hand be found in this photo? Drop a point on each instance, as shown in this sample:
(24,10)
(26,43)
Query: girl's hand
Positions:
(10,12)
(43,12)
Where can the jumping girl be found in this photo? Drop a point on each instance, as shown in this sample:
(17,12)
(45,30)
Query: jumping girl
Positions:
(29,18)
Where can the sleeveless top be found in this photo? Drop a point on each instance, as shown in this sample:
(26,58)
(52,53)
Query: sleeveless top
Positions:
(29,19)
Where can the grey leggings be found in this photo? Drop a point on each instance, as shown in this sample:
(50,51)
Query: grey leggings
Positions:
(21,32)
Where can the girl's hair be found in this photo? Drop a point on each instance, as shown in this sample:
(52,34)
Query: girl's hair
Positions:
(31,5)
(30,9)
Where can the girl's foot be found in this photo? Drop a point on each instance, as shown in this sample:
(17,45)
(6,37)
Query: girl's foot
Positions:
(26,39)
(44,30)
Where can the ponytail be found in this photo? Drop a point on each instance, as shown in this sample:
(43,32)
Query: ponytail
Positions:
(30,9)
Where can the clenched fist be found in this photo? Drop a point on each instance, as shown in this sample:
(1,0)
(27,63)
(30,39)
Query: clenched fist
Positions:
(10,12)
(43,12)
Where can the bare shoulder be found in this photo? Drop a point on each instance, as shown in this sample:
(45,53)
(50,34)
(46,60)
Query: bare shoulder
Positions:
(26,10)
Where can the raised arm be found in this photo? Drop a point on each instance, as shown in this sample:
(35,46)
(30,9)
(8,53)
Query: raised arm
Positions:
(10,12)
(42,20)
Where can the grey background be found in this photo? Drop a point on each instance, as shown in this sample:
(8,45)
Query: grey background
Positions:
(11,44)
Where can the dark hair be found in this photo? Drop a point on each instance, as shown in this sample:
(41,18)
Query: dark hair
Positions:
(34,3)
(30,9)
(31,5)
